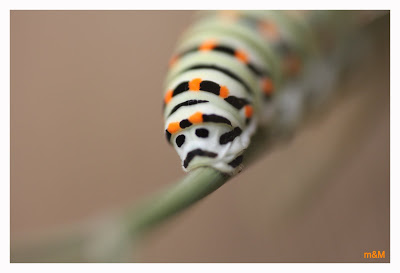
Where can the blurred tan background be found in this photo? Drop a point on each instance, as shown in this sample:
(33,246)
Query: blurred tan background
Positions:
(87,135)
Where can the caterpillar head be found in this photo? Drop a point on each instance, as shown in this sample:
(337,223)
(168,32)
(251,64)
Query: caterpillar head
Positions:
(214,145)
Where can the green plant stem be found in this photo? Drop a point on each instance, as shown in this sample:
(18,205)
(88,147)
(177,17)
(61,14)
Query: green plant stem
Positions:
(193,187)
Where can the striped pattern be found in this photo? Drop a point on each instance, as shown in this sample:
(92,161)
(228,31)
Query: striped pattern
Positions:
(196,118)
(240,55)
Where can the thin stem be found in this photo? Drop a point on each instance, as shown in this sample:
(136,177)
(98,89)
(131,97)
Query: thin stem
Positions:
(193,187)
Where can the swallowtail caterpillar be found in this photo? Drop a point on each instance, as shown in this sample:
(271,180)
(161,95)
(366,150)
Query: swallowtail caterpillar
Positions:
(236,71)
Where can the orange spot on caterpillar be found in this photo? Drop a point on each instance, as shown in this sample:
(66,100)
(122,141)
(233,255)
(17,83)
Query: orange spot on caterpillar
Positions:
(194,85)
(168,96)
(242,56)
(292,65)
(248,111)
(267,86)
(196,118)
(223,92)
(269,30)
(173,127)
(207,45)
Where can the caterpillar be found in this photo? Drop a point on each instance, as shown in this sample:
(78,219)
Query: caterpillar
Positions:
(236,71)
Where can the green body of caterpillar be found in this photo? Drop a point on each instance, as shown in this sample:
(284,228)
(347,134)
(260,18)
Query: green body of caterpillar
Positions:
(229,70)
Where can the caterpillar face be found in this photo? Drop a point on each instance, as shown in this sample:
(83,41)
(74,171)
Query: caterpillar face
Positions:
(216,145)
(205,135)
